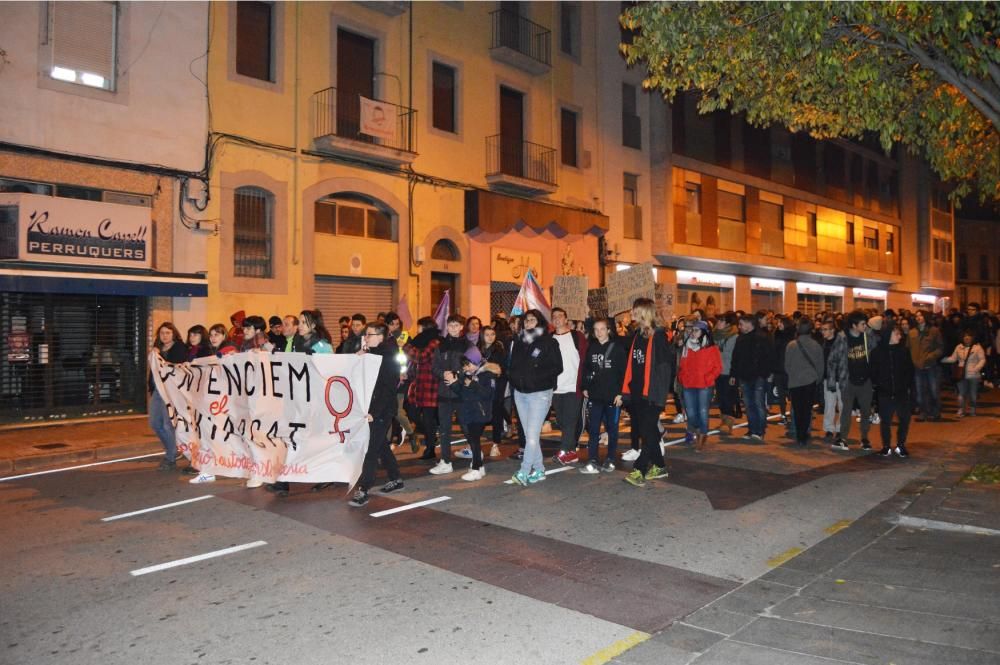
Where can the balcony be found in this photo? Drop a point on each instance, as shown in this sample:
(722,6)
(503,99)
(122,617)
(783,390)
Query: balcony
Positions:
(520,166)
(351,125)
(520,43)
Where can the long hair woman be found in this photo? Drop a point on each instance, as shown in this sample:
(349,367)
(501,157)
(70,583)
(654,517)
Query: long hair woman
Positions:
(645,387)
(171,348)
(198,343)
(314,336)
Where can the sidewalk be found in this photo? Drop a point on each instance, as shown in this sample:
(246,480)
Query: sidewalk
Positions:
(51,446)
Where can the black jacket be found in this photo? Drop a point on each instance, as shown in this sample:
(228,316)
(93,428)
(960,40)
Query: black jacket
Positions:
(753,356)
(350,345)
(663,368)
(476,399)
(892,372)
(448,358)
(535,367)
(178,353)
(383,404)
(605,369)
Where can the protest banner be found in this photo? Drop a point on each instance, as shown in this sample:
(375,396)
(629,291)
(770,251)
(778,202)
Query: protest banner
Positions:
(597,302)
(626,285)
(292,416)
(570,293)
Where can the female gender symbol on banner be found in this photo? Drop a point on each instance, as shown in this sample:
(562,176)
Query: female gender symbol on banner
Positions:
(337,415)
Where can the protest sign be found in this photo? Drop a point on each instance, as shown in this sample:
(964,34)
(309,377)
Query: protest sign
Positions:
(666,295)
(570,293)
(597,302)
(625,286)
(291,416)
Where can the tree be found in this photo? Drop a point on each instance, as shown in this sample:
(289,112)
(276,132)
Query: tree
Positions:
(925,74)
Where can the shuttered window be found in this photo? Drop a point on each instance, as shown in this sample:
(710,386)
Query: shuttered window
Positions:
(253,40)
(84,40)
(253,232)
(444,97)
(344,296)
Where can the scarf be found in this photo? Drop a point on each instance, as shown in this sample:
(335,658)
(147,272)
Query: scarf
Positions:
(529,335)
(626,390)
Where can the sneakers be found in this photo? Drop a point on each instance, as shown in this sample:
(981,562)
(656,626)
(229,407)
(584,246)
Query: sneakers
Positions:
(520,478)
(441,468)
(635,478)
(866,444)
(392,486)
(901,451)
(465,453)
(359,499)
(630,455)
(167,465)
(828,435)
(875,419)
(885,452)
(839,444)
(959,414)
(603,440)
(680,418)
(590,468)
(567,457)
(536,476)
(608,467)
(756,438)
(190,471)
(473,475)
(689,438)
(519,455)
(202,478)
(280,488)
(495,451)
(254,482)
(656,472)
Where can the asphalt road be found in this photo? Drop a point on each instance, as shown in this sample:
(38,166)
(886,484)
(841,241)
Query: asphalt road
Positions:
(575,569)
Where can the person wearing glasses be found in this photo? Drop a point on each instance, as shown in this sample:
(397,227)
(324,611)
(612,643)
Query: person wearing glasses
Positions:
(381,410)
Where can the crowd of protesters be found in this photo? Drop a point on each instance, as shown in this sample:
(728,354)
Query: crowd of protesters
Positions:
(862,366)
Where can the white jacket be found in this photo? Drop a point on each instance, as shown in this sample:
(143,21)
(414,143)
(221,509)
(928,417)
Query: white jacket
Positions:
(972,357)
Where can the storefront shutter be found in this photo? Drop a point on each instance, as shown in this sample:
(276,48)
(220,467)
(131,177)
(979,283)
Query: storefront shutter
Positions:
(344,296)
(84,37)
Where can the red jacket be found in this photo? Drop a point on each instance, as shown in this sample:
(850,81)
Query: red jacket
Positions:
(700,369)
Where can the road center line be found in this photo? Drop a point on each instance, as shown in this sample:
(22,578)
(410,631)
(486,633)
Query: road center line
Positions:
(80,466)
(558,469)
(199,557)
(410,506)
(149,510)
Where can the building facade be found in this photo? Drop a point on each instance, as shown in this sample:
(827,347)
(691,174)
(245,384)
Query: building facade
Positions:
(977,276)
(104,119)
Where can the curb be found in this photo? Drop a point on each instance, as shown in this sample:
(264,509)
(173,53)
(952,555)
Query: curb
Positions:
(12,466)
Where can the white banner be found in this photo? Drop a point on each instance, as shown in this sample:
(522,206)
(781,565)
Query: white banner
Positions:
(290,416)
(378,119)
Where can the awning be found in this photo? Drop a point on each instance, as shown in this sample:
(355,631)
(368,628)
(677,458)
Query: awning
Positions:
(498,213)
(106,282)
(757,270)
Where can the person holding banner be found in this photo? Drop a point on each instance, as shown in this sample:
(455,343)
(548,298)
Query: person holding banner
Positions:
(645,387)
(221,346)
(534,368)
(171,348)
(380,413)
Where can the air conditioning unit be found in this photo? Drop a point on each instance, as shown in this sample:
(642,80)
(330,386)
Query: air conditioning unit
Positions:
(142,200)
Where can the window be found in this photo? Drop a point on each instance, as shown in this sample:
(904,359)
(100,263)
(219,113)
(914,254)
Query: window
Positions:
(632,214)
(84,41)
(984,267)
(849,233)
(732,221)
(631,123)
(254,35)
(568,132)
(772,229)
(444,97)
(352,215)
(963,267)
(8,185)
(871,238)
(890,242)
(569,28)
(811,224)
(963,295)
(692,204)
(253,212)
(942,250)
(692,191)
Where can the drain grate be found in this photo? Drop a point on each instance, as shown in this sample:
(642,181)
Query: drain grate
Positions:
(52,446)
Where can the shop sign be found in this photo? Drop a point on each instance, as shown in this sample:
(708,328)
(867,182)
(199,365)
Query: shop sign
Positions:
(570,293)
(71,231)
(511,265)
(18,347)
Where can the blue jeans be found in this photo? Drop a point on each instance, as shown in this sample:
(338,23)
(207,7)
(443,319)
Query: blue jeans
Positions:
(755,396)
(696,402)
(928,384)
(609,415)
(159,422)
(532,408)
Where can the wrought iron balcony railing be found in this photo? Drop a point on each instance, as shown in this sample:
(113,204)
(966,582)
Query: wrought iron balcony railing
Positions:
(515,32)
(339,114)
(520,159)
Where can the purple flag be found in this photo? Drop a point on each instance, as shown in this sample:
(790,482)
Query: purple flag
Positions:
(443,311)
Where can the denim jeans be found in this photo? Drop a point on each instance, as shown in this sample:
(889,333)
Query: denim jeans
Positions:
(532,408)
(928,384)
(609,415)
(696,402)
(159,422)
(755,396)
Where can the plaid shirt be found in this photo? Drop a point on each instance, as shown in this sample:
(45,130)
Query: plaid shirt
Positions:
(423,390)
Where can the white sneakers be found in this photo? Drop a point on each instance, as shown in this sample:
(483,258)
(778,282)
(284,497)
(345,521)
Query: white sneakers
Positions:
(472,475)
(495,451)
(631,455)
(203,478)
(680,418)
(590,468)
(441,468)
(254,482)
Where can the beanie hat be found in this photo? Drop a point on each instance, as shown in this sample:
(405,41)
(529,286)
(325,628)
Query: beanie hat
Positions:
(473,355)
(700,325)
(876,322)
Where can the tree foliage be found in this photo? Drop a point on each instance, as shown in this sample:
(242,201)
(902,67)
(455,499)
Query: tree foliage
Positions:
(925,74)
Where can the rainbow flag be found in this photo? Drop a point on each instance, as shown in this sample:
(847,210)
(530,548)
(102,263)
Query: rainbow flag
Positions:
(531,296)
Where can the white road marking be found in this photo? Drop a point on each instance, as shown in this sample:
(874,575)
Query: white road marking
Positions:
(195,559)
(558,469)
(409,506)
(80,466)
(149,510)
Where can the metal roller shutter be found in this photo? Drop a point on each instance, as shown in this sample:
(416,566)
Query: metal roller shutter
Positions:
(345,296)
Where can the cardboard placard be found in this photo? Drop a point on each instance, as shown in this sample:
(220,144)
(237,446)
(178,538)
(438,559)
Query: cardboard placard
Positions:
(570,293)
(597,302)
(666,296)
(625,286)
